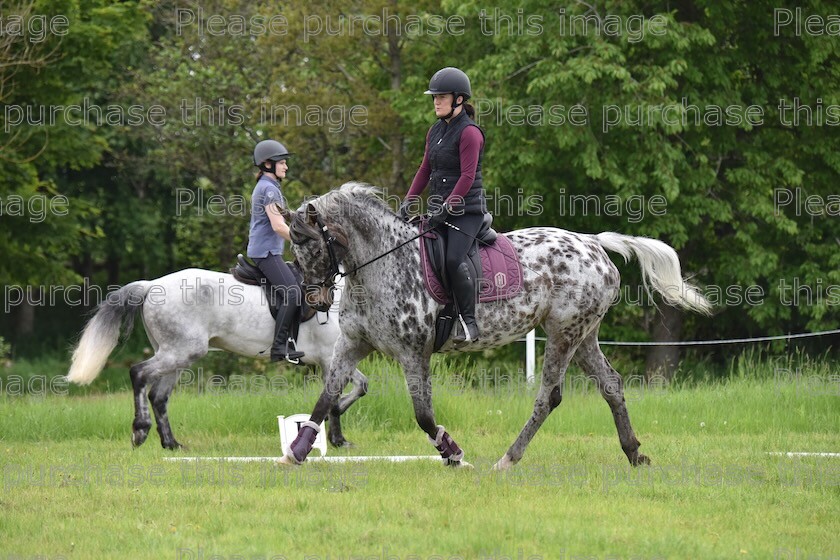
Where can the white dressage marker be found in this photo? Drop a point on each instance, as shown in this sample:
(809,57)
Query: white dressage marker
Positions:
(289,428)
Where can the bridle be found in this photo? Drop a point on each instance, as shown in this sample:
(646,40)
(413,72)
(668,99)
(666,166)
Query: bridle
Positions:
(330,241)
(333,273)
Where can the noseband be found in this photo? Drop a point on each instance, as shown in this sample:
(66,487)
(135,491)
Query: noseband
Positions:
(306,234)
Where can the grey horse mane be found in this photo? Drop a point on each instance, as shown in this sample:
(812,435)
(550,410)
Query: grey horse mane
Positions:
(351,193)
(360,203)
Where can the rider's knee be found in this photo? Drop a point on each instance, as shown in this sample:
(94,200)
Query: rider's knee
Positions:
(452,265)
(291,294)
(294,292)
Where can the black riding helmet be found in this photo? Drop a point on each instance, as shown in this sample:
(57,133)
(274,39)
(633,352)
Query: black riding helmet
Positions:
(269,150)
(450,80)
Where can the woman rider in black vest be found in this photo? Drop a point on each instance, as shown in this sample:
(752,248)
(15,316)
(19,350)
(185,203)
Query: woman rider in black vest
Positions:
(452,169)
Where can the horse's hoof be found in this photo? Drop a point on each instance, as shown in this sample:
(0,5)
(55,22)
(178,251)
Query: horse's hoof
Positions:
(138,437)
(174,446)
(641,460)
(286,461)
(503,464)
(456,464)
(342,443)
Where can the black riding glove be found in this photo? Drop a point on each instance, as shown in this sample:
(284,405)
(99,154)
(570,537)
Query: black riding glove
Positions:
(439,217)
(403,212)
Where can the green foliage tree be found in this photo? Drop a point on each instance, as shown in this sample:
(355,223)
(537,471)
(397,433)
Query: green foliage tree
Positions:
(616,105)
(718,179)
(336,98)
(61,59)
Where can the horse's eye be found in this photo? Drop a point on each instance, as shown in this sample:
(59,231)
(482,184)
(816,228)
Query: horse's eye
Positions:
(318,252)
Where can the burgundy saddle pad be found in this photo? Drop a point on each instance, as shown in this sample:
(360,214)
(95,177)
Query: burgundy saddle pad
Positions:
(501,276)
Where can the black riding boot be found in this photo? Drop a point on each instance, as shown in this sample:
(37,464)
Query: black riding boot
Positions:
(284,346)
(463,289)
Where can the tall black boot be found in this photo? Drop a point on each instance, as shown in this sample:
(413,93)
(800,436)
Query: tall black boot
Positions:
(463,289)
(284,346)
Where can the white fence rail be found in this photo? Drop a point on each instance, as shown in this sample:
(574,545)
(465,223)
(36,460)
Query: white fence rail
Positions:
(531,338)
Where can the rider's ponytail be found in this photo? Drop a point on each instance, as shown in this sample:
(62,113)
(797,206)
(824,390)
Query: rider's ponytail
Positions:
(470,110)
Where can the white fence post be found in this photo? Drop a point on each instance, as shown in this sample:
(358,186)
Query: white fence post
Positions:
(530,356)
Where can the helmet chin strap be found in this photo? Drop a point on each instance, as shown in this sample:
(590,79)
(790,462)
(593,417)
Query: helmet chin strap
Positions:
(270,167)
(455,105)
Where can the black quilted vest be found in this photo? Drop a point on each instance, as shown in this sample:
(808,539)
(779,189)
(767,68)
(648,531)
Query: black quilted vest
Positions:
(445,161)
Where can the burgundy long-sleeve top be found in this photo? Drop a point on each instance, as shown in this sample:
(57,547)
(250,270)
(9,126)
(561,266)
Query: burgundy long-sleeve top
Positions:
(469,147)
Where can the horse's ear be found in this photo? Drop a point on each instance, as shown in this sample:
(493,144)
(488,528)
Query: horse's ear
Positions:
(311,214)
(287,214)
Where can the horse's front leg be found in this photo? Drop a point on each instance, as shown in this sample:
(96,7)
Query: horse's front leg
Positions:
(346,355)
(419,383)
(360,384)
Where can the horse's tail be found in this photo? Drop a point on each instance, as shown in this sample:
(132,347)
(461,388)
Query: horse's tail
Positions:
(102,333)
(660,269)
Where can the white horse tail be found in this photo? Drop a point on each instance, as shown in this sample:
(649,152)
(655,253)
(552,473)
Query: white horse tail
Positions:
(660,269)
(102,333)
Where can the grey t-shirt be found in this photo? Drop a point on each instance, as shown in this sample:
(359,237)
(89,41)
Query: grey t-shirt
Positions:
(262,239)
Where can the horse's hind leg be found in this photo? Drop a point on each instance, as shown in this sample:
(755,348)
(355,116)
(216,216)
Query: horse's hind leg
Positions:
(161,370)
(159,394)
(557,357)
(335,435)
(169,370)
(598,368)
(142,420)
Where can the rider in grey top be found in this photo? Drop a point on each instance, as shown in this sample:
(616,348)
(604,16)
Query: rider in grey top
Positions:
(262,239)
(265,244)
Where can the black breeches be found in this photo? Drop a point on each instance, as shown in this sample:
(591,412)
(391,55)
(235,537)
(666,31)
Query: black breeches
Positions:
(458,243)
(283,281)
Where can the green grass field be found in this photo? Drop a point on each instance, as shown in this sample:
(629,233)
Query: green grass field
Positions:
(73,487)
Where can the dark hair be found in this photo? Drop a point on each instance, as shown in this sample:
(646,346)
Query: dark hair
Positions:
(470,110)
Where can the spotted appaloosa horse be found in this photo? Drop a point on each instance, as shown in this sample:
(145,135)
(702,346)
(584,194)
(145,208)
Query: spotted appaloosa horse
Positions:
(569,284)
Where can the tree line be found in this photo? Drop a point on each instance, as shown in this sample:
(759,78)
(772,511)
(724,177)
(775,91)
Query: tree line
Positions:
(127,129)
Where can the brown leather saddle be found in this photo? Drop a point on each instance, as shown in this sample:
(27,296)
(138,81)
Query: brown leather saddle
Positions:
(247,272)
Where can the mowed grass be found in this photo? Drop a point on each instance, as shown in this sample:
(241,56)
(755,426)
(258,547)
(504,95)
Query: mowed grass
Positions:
(73,487)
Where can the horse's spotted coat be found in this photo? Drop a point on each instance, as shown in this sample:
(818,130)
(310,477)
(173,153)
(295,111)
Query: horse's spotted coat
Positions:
(569,283)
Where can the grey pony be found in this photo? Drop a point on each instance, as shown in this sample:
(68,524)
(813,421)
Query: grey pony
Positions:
(186,314)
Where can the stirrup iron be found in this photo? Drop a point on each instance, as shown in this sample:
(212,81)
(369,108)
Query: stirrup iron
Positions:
(295,361)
